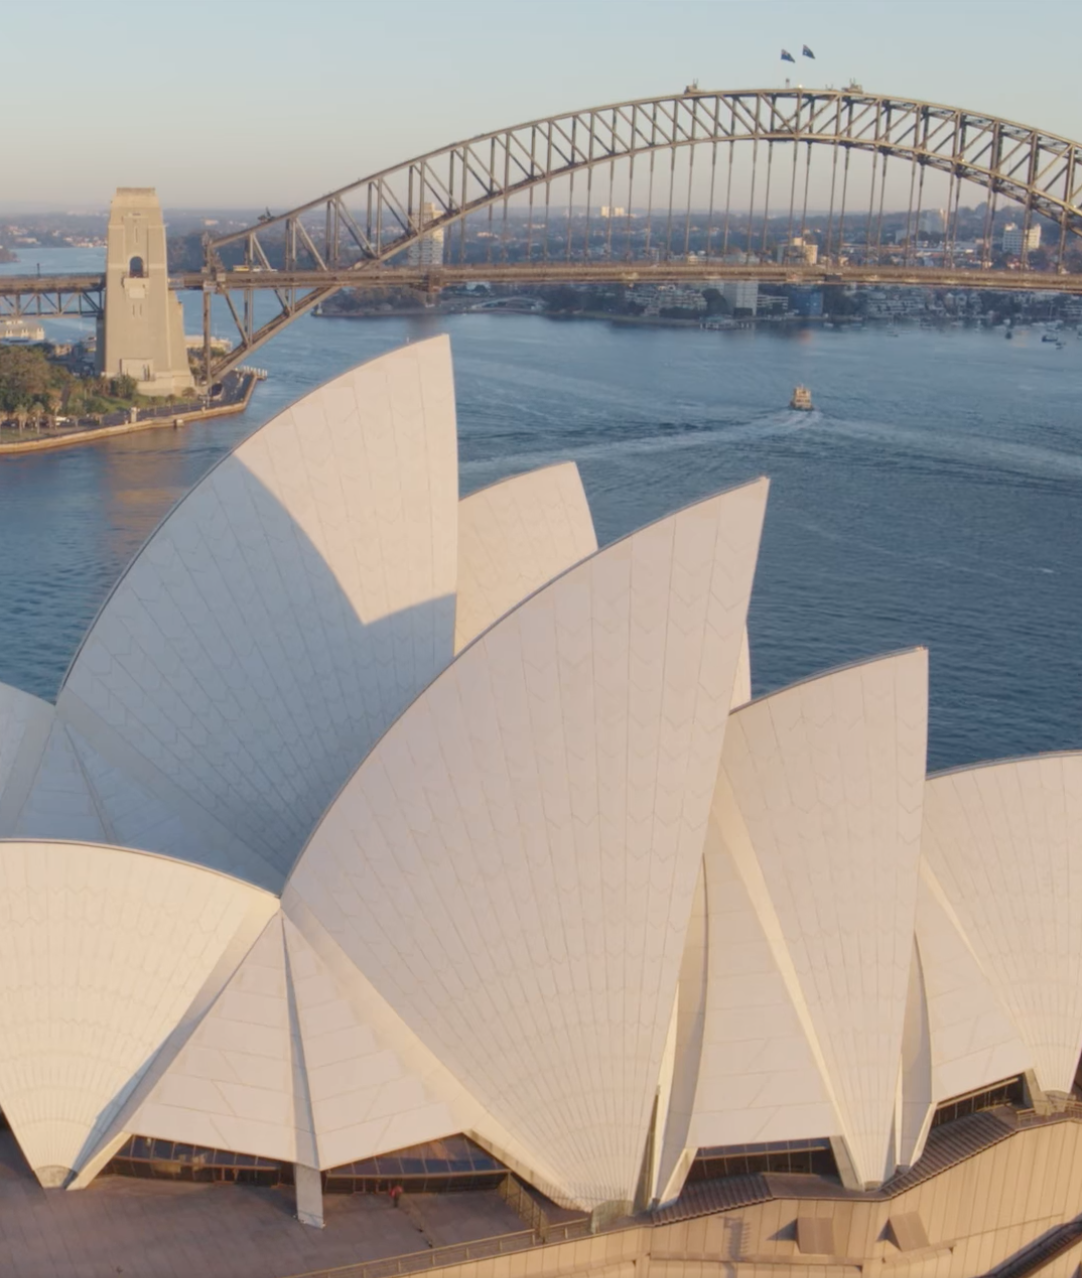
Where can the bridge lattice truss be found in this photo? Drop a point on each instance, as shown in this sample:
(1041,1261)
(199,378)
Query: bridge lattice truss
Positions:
(353,235)
(669,163)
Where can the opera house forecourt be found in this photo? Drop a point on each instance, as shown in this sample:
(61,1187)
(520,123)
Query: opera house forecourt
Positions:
(376,830)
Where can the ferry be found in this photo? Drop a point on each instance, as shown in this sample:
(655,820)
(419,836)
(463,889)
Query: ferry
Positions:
(802,400)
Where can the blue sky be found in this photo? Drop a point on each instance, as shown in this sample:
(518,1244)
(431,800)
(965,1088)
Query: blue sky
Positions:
(242,103)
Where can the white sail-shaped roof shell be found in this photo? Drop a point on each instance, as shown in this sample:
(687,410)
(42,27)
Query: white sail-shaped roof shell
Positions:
(240,1080)
(300,1059)
(513,538)
(759,1077)
(58,802)
(1004,842)
(742,683)
(26,724)
(513,866)
(104,953)
(973,1041)
(284,614)
(811,867)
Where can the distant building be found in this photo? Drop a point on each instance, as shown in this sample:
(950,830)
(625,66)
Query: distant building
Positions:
(934,220)
(613,210)
(428,250)
(742,295)
(798,252)
(807,302)
(1017,240)
(774,305)
(656,298)
(894,302)
(21,331)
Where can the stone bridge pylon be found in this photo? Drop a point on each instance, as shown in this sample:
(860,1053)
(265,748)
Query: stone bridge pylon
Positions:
(141,329)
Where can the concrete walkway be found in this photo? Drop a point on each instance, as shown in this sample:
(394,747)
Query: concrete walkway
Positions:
(160,1229)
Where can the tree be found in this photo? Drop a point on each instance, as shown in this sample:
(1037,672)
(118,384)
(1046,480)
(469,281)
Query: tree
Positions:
(124,387)
(25,374)
(715,302)
(563,298)
(836,301)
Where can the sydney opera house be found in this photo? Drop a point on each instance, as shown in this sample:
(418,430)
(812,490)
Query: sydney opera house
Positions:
(381,839)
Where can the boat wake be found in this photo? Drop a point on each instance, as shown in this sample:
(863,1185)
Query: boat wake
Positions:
(665,438)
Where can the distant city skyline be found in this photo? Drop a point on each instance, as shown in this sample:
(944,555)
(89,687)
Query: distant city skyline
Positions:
(237,104)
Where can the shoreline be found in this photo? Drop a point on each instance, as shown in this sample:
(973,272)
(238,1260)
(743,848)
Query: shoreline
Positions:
(74,438)
(721,324)
(647,321)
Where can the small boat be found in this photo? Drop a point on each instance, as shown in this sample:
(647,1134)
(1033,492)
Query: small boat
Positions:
(802,400)
(1049,337)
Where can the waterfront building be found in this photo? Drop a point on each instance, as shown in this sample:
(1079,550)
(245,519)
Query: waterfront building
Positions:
(380,838)
(1017,239)
(893,303)
(742,295)
(428,250)
(608,211)
(806,302)
(21,331)
(657,298)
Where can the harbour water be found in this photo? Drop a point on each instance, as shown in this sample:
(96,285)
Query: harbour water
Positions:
(933,496)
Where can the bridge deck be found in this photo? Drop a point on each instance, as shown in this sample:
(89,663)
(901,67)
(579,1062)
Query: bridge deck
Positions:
(627,272)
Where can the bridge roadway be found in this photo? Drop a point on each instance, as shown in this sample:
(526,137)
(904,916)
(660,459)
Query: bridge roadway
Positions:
(44,295)
(640,272)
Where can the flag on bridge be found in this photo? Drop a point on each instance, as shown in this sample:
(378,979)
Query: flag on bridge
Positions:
(786,56)
(808,53)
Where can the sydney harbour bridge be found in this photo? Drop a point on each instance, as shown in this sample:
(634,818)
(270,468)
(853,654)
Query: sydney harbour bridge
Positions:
(700,184)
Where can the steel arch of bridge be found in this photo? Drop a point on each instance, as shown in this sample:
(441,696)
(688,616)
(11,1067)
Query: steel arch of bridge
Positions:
(1037,170)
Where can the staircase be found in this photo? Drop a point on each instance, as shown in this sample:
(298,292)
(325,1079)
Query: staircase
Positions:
(1032,1259)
